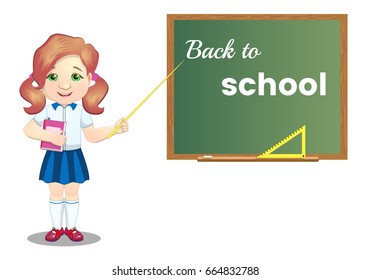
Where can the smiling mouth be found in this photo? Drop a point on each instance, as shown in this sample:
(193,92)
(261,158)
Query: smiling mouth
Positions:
(64,94)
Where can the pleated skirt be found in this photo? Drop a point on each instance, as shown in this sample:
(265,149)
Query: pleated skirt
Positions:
(64,167)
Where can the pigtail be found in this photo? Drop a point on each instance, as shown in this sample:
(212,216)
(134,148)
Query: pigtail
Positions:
(95,96)
(32,95)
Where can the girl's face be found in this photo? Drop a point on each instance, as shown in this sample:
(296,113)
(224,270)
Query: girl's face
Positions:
(67,81)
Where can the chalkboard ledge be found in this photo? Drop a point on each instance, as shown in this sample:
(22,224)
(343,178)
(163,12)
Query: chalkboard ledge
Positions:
(253,158)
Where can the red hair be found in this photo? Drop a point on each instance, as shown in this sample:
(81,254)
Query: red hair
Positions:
(46,56)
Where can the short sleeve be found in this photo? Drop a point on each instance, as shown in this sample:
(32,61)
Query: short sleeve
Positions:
(86,119)
(40,117)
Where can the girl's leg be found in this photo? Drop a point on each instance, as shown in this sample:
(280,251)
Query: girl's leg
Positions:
(56,204)
(72,210)
(72,204)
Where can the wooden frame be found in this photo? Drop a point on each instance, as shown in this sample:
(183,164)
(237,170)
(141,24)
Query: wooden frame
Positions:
(343,77)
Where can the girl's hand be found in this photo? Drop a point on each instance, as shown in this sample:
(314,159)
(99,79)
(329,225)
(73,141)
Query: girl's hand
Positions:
(124,126)
(58,138)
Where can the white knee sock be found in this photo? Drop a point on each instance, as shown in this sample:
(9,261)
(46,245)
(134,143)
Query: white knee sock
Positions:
(56,212)
(72,210)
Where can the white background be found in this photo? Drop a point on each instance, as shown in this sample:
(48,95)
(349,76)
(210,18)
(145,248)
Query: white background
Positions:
(292,220)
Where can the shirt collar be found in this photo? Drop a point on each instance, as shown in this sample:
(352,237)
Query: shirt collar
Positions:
(72,105)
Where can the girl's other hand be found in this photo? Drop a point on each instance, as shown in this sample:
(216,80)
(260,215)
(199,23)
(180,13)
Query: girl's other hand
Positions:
(124,126)
(58,138)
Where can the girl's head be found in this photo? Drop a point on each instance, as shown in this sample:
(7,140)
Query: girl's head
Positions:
(63,68)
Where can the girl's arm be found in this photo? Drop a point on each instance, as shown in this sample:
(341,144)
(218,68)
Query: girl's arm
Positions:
(34,131)
(94,135)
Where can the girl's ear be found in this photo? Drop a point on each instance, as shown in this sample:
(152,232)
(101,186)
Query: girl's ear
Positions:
(89,76)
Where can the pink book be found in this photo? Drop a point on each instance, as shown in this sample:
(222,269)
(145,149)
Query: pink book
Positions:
(52,126)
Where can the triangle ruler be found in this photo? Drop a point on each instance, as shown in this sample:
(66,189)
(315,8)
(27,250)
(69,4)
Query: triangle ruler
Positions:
(268,153)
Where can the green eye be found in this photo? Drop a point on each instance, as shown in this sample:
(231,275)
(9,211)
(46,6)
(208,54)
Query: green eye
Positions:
(52,77)
(76,77)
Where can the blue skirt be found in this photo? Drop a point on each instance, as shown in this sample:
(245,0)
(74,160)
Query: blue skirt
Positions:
(64,167)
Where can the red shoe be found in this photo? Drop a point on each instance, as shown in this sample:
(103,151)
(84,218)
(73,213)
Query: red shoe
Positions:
(54,234)
(74,234)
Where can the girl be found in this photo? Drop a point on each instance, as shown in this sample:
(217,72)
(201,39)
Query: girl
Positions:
(63,69)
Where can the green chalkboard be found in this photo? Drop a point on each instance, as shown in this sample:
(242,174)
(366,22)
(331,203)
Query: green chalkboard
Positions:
(248,81)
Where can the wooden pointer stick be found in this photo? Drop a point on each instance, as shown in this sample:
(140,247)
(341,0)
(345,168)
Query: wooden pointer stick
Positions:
(141,103)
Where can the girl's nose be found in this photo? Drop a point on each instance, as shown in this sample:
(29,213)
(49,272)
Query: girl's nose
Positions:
(65,86)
